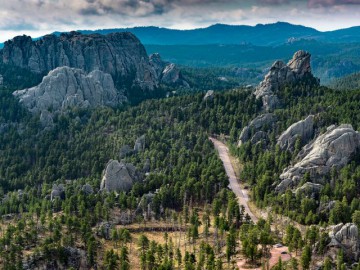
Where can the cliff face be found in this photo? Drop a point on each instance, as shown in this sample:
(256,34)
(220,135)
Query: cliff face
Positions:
(65,88)
(120,54)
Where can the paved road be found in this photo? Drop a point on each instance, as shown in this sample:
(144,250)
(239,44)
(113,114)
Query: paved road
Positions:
(241,194)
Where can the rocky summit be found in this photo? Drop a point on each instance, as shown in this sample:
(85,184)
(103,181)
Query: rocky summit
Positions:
(334,148)
(167,73)
(66,87)
(298,69)
(120,54)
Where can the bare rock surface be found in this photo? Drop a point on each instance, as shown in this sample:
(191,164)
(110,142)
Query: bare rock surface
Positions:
(303,129)
(65,88)
(281,74)
(345,237)
(167,73)
(120,54)
(119,176)
(263,121)
(334,148)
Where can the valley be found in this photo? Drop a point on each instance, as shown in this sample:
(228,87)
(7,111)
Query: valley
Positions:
(113,156)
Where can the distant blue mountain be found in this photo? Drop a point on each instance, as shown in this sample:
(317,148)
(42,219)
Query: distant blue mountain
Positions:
(261,34)
(1,45)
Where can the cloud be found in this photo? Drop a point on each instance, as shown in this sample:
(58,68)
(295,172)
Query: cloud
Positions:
(273,2)
(37,17)
(330,3)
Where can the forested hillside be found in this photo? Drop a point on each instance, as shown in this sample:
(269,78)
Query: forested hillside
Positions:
(184,169)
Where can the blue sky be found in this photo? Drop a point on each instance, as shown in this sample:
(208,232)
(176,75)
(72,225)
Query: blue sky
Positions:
(38,17)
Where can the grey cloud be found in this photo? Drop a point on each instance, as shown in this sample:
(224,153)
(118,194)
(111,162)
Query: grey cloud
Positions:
(140,7)
(273,2)
(329,3)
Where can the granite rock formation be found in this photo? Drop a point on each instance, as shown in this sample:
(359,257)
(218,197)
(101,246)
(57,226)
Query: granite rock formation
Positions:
(65,88)
(264,121)
(167,73)
(298,69)
(120,54)
(345,237)
(139,145)
(58,191)
(119,176)
(303,129)
(334,148)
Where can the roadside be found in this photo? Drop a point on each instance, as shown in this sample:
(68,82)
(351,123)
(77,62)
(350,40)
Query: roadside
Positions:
(240,193)
(233,167)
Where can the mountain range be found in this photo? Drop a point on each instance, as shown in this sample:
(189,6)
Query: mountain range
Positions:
(261,34)
(240,46)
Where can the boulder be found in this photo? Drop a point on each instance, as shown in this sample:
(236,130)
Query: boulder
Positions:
(303,129)
(58,191)
(334,148)
(65,88)
(280,74)
(262,122)
(119,54)
(119,176)
(1,80)
(139,145)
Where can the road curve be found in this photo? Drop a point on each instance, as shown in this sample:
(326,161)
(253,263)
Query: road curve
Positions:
(241,194)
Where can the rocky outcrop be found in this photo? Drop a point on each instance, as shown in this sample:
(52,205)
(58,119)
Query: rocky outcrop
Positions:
(259,136)
(119,176)
(140,144)
(303,129)
(145,206)
(120,54)
(171,75)
(167,73)
(309,190)
(157,63)
(57,192)
(209,95)
(334,148)
(262,122)
(345,237)
(297,70)
(65,88)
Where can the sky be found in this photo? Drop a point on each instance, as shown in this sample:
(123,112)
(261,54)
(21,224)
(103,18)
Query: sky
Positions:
(39,17)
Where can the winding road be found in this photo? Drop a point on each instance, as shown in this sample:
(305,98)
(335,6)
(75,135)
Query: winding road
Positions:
(240,193)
